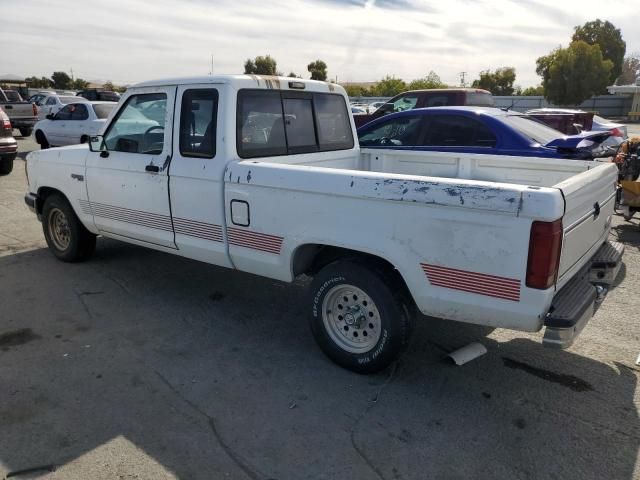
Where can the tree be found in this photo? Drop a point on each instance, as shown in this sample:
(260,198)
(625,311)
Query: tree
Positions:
(357,91)
(61,80)
(261,66)
(109,86)
(293,75)
(609,38)
(35,82)
(630,70)
(499,82)
(388,87)
(532,91)
(432,80)
(80,84)
(573,74)
(318,70)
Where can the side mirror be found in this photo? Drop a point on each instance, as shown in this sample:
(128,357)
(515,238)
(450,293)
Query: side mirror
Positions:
(50,116)
(96,144)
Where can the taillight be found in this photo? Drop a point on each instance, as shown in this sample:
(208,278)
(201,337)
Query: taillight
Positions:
(545,244)
(616,132)
(6,123)
(34,108)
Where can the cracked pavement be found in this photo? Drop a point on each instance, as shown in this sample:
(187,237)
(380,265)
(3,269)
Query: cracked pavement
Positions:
(143,365)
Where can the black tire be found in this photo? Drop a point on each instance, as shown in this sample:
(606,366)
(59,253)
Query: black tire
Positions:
(84,139)
(42,140)
(25,131)
(386,307)
(72,242)
(6,165)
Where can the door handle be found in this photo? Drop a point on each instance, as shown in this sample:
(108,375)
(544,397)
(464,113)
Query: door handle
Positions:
(152,168)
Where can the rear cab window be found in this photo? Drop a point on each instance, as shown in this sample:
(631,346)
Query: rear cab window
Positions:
(271,123)
(198,121)
(479,99)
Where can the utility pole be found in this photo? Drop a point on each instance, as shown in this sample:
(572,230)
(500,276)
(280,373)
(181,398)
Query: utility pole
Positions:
(463,83)
(72,74)
(211,72)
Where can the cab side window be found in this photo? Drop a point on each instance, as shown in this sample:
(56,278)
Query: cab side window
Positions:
(51,101)
(198,119)
(139,125)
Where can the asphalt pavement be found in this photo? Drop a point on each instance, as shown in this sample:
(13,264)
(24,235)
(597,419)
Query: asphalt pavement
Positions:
(138,364)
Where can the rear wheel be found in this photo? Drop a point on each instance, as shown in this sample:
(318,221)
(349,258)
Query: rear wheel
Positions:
(25,131)
(66,237)
(42,140)
(358,318)
(6,165)
(84,139)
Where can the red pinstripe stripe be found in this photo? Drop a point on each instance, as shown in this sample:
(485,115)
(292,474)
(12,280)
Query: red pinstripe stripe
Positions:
(473,282)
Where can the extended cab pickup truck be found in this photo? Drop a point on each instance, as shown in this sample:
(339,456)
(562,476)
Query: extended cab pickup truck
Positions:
(23,115)
(264,174)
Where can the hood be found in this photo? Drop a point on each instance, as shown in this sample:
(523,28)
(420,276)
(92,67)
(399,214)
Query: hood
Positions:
(582,140)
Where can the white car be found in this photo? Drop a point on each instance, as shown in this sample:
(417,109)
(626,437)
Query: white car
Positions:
(272,181)
(50,104)
(73,124)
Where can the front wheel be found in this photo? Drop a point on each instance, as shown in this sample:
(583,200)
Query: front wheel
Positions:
(42,140)
(66,237)
(357,317)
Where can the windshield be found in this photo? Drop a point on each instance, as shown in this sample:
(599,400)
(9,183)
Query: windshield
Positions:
(533,129)
(103,109)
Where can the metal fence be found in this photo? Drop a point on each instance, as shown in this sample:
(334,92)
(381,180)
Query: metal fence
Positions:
(605,105)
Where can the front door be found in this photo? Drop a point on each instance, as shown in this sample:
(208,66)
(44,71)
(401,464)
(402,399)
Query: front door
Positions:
(127,185)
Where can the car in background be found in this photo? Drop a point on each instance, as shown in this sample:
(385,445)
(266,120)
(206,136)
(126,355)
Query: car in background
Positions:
(35,98)
(480,130)
(22,115)
(8,144)
(618,131)
(440,97)
(72,124)
(375,106)
(50,104)
(99,94)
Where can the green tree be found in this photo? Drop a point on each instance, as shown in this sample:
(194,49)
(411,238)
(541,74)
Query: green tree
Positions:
(609,38)
(357,91)
(630,70)
(35,82)
(61,80)
(532,91)
(573,74)
(80,84)
(388,87)
(432,80)
(318,70)
(109,86)
(293,75)
(261,66)
(499,82)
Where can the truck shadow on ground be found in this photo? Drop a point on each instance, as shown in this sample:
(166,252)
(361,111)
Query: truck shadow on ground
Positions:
(211,373)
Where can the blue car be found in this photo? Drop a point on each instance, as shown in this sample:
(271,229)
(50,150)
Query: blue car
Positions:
(490,131)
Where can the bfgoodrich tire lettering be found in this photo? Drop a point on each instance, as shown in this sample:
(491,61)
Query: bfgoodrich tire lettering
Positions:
(66,237)
(357,318)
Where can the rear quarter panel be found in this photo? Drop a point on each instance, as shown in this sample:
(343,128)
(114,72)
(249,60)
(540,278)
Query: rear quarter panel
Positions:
(471,227)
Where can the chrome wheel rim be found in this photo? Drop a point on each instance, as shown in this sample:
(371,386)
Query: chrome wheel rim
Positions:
(351,318)
(59,229)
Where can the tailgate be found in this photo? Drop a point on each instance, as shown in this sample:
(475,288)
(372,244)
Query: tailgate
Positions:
(18,110)
(589,201)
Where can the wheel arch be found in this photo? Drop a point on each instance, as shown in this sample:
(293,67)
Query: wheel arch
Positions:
(310,258)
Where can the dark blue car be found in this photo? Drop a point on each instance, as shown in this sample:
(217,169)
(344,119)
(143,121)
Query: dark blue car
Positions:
(478,130)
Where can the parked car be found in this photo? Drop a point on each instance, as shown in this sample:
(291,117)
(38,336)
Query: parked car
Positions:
(50,104)
(23,115)
(99,94)
(8,144)
(375,106)
(618,131)
(35,98)
(429,98)
(272,182)
(481,130)
(74,123)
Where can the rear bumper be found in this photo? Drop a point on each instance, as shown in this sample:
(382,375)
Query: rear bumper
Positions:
(23,122)
(574,305)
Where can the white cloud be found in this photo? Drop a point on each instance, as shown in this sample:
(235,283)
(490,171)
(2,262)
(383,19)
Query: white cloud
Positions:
(361,40)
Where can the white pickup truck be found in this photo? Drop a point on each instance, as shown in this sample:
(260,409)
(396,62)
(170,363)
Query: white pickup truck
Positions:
(265,175)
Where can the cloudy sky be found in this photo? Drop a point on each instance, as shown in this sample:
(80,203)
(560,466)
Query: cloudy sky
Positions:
(361,40)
